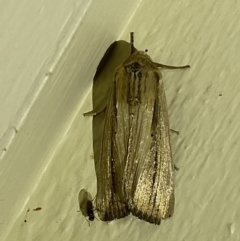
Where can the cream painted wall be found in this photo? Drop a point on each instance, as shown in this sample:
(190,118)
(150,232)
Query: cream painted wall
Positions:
(33,37)
(203,105)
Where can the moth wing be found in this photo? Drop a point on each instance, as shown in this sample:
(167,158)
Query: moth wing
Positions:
(148,177)
(110,203)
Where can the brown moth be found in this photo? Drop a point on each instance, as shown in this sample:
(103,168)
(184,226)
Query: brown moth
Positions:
(136,170)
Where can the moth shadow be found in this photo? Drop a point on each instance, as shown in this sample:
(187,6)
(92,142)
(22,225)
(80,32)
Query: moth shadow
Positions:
(102,85)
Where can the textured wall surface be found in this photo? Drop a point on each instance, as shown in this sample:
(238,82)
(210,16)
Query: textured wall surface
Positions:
(203,104)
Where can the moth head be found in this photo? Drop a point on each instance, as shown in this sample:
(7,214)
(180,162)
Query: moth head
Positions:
(140,56)
(144,53)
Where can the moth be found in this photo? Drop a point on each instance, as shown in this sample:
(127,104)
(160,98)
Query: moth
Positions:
(86,205)
(136,170)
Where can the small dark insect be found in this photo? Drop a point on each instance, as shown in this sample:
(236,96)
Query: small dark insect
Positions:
(86,205)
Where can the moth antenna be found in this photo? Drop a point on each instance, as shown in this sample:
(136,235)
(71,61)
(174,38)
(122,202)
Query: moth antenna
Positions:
(132,42)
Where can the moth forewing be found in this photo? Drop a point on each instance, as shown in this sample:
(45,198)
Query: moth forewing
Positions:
(142,114)
(110,203)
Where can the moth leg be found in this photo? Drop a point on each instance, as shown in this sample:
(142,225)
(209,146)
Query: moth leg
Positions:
(176,132)
(94,198)
(93,113)
(87,221)
(172,67)
(176,168)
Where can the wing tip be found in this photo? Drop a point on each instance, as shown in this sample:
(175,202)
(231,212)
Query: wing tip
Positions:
(144,216)
(110,215)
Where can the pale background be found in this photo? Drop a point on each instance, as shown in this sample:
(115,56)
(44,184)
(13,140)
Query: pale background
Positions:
(49,54)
